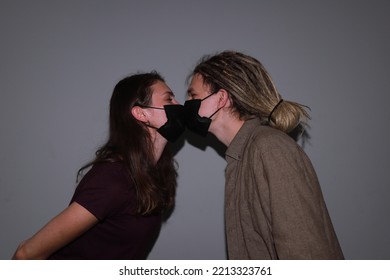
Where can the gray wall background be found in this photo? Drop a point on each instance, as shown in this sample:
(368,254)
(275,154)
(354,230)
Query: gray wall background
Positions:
(61,59)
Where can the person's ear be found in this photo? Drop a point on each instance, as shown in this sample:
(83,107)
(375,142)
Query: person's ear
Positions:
(139,114)
(223,98)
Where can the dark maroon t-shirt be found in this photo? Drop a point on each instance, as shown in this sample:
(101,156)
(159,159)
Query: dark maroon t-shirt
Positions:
(107,192)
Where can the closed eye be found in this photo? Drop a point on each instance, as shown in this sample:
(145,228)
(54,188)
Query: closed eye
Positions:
(191,94)
(169,97)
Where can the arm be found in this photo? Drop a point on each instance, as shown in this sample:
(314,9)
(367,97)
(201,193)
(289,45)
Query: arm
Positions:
(61,230)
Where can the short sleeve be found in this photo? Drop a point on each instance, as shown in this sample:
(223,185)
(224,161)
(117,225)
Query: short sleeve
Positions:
(103,190)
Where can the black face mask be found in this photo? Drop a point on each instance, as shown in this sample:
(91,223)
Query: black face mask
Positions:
(194,122)
(174,127)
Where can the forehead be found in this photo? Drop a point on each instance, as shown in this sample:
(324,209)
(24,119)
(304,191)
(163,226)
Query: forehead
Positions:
(160,88)
(197,84)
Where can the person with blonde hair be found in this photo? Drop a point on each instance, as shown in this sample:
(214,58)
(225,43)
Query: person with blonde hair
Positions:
(274,207)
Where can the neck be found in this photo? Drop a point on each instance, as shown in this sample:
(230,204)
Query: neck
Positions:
(226,127)
(159,143)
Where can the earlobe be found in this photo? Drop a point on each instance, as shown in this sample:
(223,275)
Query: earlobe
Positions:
(138,114)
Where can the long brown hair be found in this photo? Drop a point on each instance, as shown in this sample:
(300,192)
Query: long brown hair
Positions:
(129,141)
(250,89)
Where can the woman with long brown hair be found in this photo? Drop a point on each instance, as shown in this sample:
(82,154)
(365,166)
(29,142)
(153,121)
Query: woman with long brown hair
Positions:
(116,210)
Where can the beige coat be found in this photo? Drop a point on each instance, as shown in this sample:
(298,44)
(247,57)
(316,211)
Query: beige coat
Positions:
(274,207)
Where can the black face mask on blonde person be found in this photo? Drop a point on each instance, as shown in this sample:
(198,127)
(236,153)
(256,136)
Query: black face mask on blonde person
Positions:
(194,122)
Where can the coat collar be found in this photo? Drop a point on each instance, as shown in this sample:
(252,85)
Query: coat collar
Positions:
(238,144)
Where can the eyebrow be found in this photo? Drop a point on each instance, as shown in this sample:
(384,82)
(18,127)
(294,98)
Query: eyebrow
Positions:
(168,93)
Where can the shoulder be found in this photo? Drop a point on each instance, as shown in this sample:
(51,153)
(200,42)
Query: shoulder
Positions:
(105,170)
(108,168)
(255,134)
(104,189)
(112,176)
(271,146)
(264,138)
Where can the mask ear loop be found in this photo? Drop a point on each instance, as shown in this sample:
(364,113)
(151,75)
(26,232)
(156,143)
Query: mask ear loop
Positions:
(215,113)
(208,97)
(150,107)
(273,110)
(211,94)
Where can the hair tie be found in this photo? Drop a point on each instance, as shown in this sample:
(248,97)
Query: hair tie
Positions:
(273,110)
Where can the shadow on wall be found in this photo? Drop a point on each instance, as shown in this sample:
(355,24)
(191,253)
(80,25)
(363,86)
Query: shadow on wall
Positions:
(301,135)
(200,142)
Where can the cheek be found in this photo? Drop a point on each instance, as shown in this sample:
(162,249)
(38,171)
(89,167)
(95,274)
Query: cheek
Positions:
(157,118)
(205,109)
(161,118)
(202,111)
